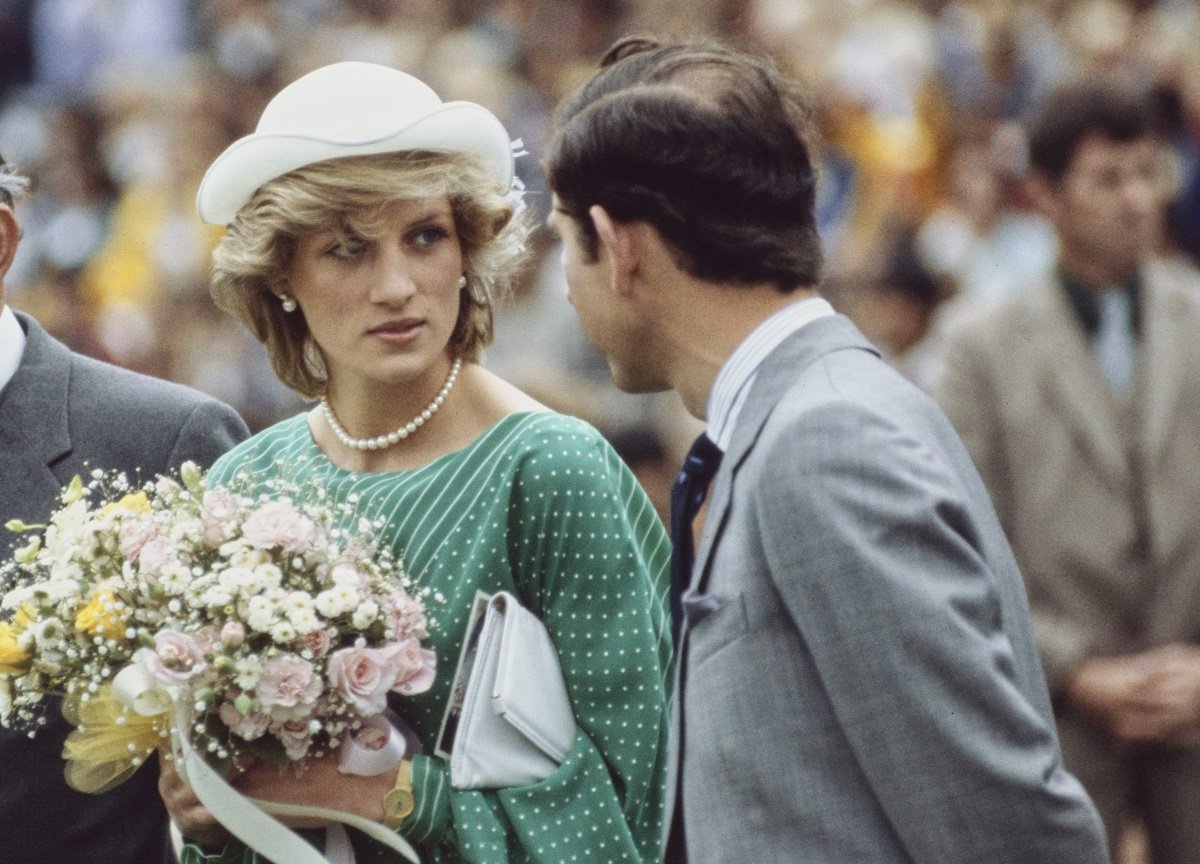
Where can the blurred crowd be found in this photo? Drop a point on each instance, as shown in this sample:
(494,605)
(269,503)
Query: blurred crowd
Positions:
(115,108)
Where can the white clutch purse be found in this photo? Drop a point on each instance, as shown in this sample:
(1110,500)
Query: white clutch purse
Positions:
(509,721)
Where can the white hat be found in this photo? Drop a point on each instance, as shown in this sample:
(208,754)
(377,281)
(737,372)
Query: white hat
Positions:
(348,109)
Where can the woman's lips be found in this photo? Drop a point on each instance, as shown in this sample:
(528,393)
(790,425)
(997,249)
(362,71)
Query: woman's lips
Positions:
(398,332)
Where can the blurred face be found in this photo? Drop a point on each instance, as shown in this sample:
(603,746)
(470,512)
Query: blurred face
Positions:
(1107,206)
(382,308)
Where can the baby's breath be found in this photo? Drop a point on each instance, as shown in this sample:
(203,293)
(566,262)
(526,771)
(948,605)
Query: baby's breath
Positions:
(253,610)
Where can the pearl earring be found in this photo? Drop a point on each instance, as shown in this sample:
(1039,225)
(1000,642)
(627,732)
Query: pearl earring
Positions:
(288,304)
(462,281)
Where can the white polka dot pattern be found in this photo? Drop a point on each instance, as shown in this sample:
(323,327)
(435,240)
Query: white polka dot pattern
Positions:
(542,506)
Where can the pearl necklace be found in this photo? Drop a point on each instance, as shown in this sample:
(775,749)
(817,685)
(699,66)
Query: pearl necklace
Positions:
(384,441)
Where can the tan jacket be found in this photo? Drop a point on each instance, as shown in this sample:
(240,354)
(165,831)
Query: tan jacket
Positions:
(1076,490)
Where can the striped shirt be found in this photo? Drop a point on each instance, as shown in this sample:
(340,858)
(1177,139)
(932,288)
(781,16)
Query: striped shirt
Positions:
(539,505)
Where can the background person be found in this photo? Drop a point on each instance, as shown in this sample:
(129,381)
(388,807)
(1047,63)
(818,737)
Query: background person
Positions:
(1078,399)
(857,674)
(368,231)
(62,414)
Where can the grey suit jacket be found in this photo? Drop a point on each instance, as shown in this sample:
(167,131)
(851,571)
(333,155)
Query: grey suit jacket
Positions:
(60,415)
(1021,386)
(858,675)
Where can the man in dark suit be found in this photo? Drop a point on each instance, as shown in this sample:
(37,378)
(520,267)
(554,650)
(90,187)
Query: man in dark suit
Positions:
(857,673)
(62,414)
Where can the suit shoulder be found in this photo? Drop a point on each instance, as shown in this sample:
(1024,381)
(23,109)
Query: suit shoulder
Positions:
(99,383)
(846,397)
(122,418)
(987,321)
(1176,279)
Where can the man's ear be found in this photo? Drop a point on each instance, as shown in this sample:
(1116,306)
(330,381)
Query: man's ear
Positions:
(10,237)
(617,241)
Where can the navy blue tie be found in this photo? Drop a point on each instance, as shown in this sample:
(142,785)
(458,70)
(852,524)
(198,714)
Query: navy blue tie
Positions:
(687,494)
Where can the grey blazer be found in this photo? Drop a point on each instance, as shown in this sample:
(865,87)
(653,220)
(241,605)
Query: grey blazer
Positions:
(61,414)
(858,680)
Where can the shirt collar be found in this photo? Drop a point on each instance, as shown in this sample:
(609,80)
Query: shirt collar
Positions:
(12,345)
(732,384)
(1086,305)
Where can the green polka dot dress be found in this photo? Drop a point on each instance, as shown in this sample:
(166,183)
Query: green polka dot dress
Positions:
(539,505)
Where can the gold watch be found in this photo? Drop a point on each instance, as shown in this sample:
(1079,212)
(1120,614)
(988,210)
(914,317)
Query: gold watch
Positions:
(399,802)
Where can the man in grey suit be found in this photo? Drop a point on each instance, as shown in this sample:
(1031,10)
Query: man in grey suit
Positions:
(62,414)
(857,677)
(1080,400)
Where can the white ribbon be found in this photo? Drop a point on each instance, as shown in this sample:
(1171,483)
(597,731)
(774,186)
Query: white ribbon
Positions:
(137,688)
(356,758)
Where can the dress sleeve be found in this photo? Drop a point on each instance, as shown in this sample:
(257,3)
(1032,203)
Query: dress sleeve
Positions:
(590,557)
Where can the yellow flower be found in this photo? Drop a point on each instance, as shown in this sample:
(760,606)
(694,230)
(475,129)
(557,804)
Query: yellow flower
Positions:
(28,553)
(102,616)
(14,660)
(134,502)
(109,743)
(74,490)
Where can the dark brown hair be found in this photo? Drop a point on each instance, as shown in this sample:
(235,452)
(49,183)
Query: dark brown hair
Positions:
(707,143)
(1105,105)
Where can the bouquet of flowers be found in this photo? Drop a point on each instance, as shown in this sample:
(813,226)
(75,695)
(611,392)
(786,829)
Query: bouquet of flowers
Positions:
(261,625)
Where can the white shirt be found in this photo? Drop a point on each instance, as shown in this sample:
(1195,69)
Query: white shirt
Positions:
(12,345)
(733,382)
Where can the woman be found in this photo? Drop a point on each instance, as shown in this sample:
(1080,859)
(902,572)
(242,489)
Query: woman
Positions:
(368,226)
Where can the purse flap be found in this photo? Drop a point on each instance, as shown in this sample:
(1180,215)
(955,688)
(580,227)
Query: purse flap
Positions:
(529,691)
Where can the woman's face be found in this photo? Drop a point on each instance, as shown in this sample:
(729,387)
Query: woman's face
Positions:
(382,308)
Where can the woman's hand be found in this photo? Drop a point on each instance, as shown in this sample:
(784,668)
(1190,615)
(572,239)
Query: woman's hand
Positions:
(195,823)
(320,784)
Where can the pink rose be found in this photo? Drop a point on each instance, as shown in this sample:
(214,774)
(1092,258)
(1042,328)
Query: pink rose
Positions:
(415,666)
(363,676)
(295,737)
(155,552)
(217,512)
(408,616)
(134,535)
(317,641)
(278,523)
(246,726)
(288,687)
(207,638)
(177,657)
(233,634)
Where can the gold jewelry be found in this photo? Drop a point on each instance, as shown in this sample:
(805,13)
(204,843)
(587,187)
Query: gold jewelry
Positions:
(399,802)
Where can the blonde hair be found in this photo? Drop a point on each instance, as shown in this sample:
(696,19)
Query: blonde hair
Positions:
(257,251)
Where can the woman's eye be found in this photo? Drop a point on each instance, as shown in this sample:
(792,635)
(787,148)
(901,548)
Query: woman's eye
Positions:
(430,236)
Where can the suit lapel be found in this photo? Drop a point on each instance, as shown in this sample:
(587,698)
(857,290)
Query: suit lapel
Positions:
(34,419)
(780,371)
(1167,338)
(1056,346)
